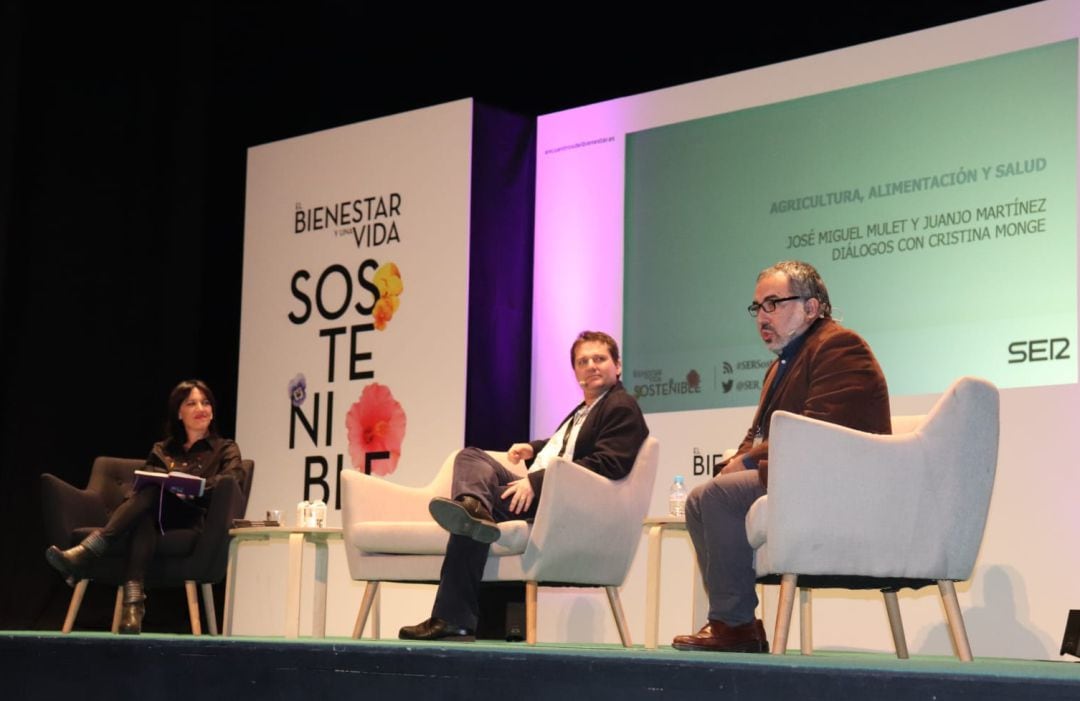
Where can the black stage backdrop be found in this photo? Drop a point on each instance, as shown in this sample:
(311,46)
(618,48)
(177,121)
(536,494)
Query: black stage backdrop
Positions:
(122,157)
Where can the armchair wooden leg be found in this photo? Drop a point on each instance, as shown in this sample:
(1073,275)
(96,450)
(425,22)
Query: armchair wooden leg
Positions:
(620,617)
(376,615)
(955,619)
(118,609)
(208,606)
(73,607)
(783,613)
(193,606)
(896,624)
(530,613)
(230,588)
(370,590)
(806,622)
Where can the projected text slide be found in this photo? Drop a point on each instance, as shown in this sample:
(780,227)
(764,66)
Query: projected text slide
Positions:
(939,207)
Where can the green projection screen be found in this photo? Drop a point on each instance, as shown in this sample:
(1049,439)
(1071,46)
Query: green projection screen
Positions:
(940,208)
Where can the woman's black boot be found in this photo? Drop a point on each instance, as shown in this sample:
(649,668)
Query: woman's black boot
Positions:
(134,608)
(72,563)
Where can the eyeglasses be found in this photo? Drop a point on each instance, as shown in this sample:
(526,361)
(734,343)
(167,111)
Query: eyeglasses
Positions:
(769,305)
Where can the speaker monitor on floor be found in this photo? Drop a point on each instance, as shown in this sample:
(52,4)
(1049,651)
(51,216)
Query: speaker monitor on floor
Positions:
(515,621)
(1070,642)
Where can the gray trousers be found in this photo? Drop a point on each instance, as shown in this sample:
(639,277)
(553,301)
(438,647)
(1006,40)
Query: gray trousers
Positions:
(716,520)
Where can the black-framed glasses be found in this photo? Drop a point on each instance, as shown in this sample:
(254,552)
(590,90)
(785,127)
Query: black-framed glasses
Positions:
(769,305)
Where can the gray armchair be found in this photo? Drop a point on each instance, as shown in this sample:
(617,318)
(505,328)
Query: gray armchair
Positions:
(183,556)
(863,511)
(585,533)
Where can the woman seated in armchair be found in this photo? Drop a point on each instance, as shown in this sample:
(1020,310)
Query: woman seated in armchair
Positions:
(191,445)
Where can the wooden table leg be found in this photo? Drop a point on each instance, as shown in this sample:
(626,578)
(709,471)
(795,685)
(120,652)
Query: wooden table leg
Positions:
(230,587)
(322,556)
(652,588)
(292,595)
(699,599)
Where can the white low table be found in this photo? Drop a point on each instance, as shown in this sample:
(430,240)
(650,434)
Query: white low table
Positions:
(656,526)
(296,537)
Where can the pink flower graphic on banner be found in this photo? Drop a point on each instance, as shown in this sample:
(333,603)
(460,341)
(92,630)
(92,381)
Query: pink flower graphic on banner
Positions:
(388,280)
(376,427)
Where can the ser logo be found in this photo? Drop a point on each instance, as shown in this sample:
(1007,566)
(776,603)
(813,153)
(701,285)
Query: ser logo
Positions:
(1038,349)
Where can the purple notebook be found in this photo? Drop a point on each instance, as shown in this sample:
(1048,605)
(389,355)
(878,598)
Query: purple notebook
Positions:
(175,482)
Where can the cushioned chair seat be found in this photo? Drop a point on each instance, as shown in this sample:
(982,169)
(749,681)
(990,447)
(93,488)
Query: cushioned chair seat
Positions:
(412,538)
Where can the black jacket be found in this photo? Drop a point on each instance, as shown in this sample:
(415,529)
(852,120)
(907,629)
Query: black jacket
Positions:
(609,440)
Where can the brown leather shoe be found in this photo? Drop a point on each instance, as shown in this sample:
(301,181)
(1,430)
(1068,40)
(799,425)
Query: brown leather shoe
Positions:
(720,637)
(437,629)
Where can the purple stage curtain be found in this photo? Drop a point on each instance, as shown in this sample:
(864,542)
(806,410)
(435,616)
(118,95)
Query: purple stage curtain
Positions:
(500,279)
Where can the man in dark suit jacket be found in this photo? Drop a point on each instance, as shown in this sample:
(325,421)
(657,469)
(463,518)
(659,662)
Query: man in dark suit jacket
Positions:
(823,371)
(602,434)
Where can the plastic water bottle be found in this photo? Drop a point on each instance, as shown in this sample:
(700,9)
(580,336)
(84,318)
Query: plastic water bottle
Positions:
(318,513)
(303,514)
(677,497)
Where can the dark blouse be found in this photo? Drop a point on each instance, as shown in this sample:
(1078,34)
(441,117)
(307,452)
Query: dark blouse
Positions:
(210,458)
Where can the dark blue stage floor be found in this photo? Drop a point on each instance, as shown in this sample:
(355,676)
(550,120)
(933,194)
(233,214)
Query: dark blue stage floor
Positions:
(36,665)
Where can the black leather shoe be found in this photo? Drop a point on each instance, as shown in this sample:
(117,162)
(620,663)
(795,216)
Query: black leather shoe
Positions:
(436,629)
(467,517)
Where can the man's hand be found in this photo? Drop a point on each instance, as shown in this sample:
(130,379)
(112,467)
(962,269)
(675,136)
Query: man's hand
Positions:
(734,465)
(519,452)
(520,493)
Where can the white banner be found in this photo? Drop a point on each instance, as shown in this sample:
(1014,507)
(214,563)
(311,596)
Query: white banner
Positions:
(352,347)
(354,320)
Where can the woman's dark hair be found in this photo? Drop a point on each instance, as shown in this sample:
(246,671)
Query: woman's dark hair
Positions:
(175,433)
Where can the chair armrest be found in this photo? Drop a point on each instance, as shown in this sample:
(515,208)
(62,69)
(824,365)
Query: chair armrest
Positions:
(66,508)
(368,498)
(846,502)
(226,504)
(207,561)
(579,510)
